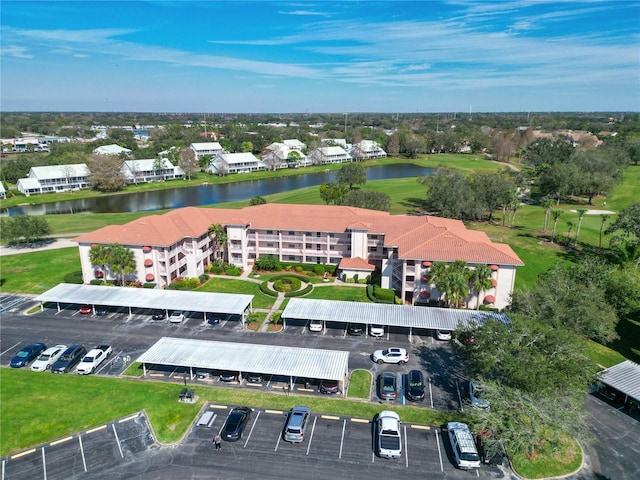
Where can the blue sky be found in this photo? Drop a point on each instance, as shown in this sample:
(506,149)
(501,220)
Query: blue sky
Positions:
(261,56)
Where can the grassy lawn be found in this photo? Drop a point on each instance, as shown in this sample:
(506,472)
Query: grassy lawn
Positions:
(360,384)
(550,462)
(38,271)
(234,285)
(349,294)
(21,395)
(602,355)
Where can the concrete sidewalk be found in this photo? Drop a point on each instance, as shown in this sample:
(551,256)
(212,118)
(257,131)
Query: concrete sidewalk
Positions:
(51,244)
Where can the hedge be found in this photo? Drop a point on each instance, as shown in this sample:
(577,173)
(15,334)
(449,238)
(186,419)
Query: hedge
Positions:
(380,295)
(264,288)
(149,285)
(233,272)
(95,282)
(287,284)
(299,293)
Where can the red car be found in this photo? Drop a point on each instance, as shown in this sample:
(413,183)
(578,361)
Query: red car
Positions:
(86,310)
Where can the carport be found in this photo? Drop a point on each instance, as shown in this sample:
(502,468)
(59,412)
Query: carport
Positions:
(625,378)
(406,316)
(290,362)
(151,298)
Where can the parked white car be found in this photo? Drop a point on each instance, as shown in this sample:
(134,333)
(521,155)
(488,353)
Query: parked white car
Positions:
(376,330)
(48,358)
(92,360)
(444,335)
(315,325)
(391,355)
(177,317)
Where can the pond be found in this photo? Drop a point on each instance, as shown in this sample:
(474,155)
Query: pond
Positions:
(206,194)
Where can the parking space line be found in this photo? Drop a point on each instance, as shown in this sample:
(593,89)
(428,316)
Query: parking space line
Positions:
(2,353)
(84,460)
(439,451)
(113,425)
(278,442)
(22,454)
(101,427)
(122,420)
(313,428)
(156,375)
(359,420)
(222,407)
(251,431)
(44,464)
(277,412)
(329,417)
(62,440)
(421,427)
(344,425)
(406,447)
(430,393)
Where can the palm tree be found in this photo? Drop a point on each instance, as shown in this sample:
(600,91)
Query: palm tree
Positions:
(456,282)
(547,205)
(121,260)
(581,212)
(219,236)
(604,218)
(436,275)
(480,280)
(99,256)
(556,212)
(570,225)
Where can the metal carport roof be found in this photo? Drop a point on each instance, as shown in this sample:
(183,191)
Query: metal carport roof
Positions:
(148,298)
(247,357)
(384,314)
(624,377)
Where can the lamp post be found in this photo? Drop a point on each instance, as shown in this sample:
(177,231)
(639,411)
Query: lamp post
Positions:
(345,124)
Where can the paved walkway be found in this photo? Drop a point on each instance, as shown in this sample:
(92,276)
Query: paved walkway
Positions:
(51,244)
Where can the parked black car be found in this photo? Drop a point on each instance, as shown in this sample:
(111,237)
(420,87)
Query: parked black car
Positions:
(254,378)
(329,387)
(387,386)
(415,386)
(27,355)
(159,315)
(355,329)
(69,359)
(234,426)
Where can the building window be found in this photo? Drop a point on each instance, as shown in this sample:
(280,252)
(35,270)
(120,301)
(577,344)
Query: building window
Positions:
(292,245)
(269,244)
(292,233)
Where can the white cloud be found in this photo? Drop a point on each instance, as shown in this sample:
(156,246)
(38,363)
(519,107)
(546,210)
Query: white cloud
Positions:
(15,51)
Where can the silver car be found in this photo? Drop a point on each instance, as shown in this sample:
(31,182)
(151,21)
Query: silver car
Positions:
(296,425)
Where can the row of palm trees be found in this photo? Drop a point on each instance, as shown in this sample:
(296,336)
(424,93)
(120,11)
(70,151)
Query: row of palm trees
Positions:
(114,257)
(455,281)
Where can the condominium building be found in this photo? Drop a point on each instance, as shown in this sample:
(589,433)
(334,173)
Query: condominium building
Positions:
(54,178)
(402,247)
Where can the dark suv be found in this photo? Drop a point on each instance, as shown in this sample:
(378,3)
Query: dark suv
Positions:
(69,359)
(415,386)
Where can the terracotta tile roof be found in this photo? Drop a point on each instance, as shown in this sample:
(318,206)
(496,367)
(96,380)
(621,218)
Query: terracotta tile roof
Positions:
(416,237)
(356,263)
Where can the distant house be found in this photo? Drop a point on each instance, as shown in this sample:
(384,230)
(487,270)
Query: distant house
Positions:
(278,155)
(225,163)
(112,149)
(294,144)
(339,142)
(367,149)
(325,155)
(146,170)
(207,148)
(54,178)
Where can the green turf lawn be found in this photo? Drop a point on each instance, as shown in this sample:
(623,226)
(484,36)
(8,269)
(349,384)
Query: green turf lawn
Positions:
(360,384)
(36,272)
(235,285)
(346,293)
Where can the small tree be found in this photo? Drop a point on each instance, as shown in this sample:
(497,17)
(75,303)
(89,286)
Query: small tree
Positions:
(219,236)
(188,161)
(555,213)
(547,205)
(581,212)
(257,201)
(352,174)
(267,262)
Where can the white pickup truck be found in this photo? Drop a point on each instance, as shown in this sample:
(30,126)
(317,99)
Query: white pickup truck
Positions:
(388,431)
(93,359)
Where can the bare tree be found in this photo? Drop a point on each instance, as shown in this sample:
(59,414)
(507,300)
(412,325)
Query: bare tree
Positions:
(106,172)
(188,161)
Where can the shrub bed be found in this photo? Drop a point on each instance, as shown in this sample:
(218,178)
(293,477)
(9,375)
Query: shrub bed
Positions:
(264,288)
(287,284)
(300,293)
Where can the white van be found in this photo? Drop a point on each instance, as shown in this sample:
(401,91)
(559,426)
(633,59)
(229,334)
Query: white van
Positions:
(464,448)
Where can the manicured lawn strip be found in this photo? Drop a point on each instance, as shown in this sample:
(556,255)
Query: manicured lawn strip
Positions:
(602,355)
(549,463)
(349,294)
(360,384)
(32,413)
(234,285)
(36,272)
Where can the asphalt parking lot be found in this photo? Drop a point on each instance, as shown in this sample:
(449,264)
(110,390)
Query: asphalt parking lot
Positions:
(340,447)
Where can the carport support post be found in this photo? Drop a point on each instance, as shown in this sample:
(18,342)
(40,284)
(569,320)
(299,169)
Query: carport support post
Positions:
(42,307)
(130,312)
(58,304)
(191,373)
(410,334)
(144,369)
